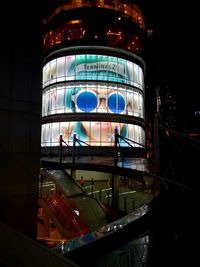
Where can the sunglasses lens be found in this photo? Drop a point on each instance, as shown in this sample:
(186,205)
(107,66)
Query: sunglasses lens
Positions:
(86,101)
(116,103)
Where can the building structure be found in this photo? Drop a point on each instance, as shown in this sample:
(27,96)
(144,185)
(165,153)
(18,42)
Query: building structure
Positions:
(20,144)
(20,116)
(94,75)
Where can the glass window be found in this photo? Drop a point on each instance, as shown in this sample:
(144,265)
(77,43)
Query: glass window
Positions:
(47,73)
(52,101)
(60,100)
(45,108)
(122,71)
(93,67)
(81,67)
(93,133)
(60,69)
(53,71)
(55,133)
(92,97)
(70,67)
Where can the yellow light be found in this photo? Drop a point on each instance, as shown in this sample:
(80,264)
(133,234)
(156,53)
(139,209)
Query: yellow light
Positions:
(74,21)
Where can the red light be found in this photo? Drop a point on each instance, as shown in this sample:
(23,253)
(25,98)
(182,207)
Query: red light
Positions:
(193,134)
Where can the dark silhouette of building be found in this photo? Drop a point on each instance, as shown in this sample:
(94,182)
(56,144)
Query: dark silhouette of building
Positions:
(20,111)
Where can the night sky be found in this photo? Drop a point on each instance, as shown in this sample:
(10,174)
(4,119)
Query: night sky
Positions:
(174,53)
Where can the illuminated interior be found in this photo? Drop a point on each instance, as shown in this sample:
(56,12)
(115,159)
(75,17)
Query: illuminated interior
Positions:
(126,8)
(81,31)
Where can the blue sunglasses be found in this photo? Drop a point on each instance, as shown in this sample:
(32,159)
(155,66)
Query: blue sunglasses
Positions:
(88,101)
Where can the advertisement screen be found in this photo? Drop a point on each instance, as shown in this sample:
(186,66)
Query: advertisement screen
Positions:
(92,98)
(93,133)
(98,84)
(93,67)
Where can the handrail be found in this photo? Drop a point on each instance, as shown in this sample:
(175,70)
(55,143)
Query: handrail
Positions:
(127,139)
(110,232)
(65,212)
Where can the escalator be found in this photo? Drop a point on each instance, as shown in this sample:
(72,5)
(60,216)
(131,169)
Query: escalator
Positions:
(92,231)
(65,215)
(72,211)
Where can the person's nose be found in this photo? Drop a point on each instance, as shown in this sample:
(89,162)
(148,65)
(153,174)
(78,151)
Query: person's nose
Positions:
(102,105)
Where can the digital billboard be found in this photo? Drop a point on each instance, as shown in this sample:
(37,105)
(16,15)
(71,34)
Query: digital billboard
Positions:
(93,67)
(92,97)
(92,83)
(94,133)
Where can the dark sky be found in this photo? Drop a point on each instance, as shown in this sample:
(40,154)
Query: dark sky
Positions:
(175,51)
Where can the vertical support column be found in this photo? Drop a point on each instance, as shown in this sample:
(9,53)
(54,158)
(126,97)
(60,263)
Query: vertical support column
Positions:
(73,155)
(157,143)
(61,149)
(46,226)
(115,148)
(115,183)
(74,149)
(115,190)
(157,131)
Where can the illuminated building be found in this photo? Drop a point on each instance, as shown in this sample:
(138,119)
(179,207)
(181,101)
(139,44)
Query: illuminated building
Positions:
(94,74)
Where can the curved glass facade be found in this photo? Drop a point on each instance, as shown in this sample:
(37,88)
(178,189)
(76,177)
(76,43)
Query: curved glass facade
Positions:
(93,74)
(93,67)
(92,97)
(125,7)
(80,31)
(95,133)
(91,83)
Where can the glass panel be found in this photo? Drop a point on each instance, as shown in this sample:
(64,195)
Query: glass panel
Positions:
(60,100)
(70,67)
(53,71)
(93,67)
(81,67)
(94,133)
(55,133)
(52,101)
(93,97)
(60,69)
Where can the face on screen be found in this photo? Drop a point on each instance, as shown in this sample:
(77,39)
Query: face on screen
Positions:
(101,132)
(99,101)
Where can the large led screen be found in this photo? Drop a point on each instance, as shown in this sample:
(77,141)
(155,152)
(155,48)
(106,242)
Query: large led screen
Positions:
(93,133)
(93,67)
(92,97)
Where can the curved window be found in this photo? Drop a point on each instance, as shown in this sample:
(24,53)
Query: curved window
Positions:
(92,83)
(94,133)
(93,67)
(92,97)
(128,9)
(82,31)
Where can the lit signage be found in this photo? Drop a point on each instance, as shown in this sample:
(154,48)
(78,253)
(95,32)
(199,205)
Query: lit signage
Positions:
(93,67)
